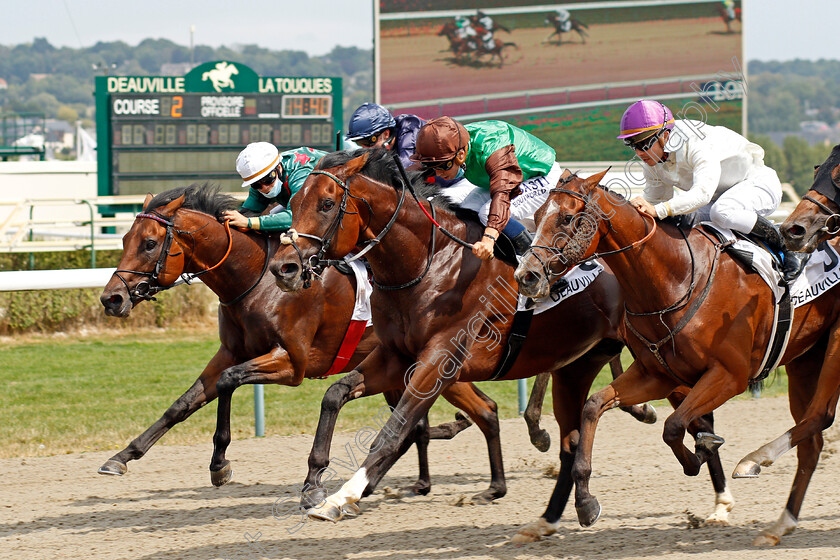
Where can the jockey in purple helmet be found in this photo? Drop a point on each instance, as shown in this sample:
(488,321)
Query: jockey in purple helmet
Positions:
(373,126)
(719,174)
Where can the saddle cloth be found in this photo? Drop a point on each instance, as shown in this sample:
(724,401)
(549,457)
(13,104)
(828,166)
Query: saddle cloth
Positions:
(820,274)
(577,279)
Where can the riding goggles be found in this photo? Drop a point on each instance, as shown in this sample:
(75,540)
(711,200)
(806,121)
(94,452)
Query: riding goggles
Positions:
(265,181)
(367,142)
(646,144)
(440,165)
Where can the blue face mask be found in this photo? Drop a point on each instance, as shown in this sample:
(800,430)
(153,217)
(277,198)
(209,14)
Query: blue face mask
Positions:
(460,174)
(275,190)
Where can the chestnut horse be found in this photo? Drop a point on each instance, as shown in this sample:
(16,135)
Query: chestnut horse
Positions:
(267,336)
(714,348)
(817,216)
(441,314)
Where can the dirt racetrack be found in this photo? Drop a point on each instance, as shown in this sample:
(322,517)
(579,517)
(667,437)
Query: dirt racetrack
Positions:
(58,507)
(419,67)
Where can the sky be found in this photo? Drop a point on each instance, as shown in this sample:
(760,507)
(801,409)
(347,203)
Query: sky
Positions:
(774,29)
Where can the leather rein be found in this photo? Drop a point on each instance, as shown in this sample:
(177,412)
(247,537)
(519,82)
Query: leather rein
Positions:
(145,290)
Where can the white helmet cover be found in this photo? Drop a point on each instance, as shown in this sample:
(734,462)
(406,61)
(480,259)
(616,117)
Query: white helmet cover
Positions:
(256,161)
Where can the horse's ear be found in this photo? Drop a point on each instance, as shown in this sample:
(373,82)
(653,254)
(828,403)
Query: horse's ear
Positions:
(146,202)
(816,170)
(835,174)
(566,174)
(170,208)
(354,165)
(591,182)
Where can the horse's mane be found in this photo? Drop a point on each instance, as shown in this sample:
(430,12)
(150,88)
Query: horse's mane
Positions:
(203,198)
(381,167)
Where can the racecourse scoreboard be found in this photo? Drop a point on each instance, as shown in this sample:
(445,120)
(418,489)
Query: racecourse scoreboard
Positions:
(162,132)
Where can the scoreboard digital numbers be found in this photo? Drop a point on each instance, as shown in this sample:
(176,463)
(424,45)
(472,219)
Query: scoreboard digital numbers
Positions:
(163,132)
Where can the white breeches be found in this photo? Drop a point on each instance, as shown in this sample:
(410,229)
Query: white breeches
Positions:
(522,208)
(736,208)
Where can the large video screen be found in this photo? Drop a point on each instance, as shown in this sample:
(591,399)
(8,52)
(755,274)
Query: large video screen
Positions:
(557,67)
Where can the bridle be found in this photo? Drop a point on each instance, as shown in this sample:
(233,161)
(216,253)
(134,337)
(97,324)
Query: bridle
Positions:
(832,215)
(145,290)
(582,236)
(316,264)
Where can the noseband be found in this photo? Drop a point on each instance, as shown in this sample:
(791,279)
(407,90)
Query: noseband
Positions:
(583,234)
(831,216)
(145,290)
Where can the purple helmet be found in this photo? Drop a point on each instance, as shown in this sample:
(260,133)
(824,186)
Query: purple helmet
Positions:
(645,115)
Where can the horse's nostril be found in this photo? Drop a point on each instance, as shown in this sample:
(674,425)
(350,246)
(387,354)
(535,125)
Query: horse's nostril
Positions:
(289,269)
(795,231)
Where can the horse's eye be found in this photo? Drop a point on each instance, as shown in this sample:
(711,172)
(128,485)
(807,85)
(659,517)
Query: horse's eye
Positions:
(565,219)
(150,244)
(327,205)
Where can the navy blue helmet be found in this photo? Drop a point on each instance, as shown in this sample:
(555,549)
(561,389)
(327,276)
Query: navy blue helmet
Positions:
(369,119)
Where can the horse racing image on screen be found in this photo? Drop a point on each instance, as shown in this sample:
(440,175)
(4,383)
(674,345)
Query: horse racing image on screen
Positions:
(551,67)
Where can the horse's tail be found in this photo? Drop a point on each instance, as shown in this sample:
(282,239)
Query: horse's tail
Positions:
(510,45)
(503,28)
(579,23)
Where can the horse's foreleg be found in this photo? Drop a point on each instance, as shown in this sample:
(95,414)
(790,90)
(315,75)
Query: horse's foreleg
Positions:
(426,384)
(634,386)
(815,404)
(569,388)
(484,412)
(276,367)
(420,437)
(349,387)
(724,501)
(804,388)
(716,386)
(200,393)
(539,437)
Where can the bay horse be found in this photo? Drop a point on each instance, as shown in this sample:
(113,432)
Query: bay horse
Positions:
(713,349)
(440,313)
(267,335)
(727,19)
(817,216)
(575,25)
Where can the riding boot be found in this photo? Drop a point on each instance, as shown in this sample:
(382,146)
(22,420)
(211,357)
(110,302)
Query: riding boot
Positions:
(522,242)
(793,263)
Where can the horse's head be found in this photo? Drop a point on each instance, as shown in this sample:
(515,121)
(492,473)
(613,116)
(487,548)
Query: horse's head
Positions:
(567,233)
(327,221)
(817,216)
(148,259)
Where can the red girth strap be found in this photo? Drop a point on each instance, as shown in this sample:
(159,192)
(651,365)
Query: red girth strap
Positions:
(354,334)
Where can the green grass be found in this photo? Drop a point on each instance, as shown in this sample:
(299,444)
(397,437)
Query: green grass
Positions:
(81,394)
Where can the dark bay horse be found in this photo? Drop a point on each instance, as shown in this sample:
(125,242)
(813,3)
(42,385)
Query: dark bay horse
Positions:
(559,28)
(817,216)
(441,314)
(267,335)
(714,348)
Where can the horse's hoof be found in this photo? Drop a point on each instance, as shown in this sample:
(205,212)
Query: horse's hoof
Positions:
(649,414)
(588,512)
(747,469)
(542,441)
(766,540)
(486,497)
(351,510)
(327,512)
(113,468)
(416,489)
(221,476)
(313,498)
(708,441)
(533,532)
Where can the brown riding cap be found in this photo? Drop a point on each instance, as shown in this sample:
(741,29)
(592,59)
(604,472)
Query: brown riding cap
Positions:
(439,140)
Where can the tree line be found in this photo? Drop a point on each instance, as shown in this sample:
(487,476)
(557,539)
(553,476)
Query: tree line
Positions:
(59,81)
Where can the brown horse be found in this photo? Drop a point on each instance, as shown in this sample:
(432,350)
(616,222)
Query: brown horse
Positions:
(714,348)
(441,314)
(727,19)
(559,28)
(267,336)
(817,216)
